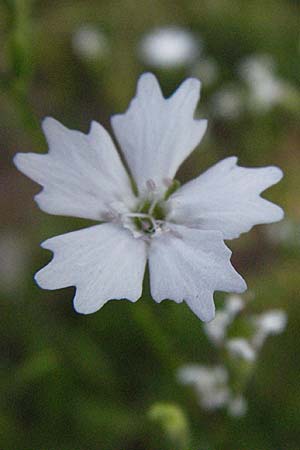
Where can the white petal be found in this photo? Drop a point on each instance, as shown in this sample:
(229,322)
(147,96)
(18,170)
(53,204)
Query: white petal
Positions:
(226,198)
(81,175)
(157,134)
(190,265)
(104,262)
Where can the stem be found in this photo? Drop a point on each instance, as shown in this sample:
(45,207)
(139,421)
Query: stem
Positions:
(160,342)
(16,83)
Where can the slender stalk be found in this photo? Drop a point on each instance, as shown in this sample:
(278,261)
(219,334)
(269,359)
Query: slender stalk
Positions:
(16,82)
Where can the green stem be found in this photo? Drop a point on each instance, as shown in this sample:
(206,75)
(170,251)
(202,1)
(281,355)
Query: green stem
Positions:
(147,321)
(17,82)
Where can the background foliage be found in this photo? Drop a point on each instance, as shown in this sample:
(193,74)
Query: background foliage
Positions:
(72,382)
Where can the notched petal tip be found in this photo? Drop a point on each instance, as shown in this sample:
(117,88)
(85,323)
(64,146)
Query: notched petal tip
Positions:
(280,214)
(49,124)
(207,317)
(147,77)
(276,173)
(83,307)
(241,285)
(42,280)
(190,84)
(94,127)
(204,311)
(18,160)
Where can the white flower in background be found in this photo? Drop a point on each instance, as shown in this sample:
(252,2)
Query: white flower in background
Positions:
(266,90)
(181,234)
(237,406)
(169,47)
(210,384)
(216,330)
(222,386)
(287,232)
(90,43)
(234,304)
(241,348)
(212,388)
(269,323)
(228,102)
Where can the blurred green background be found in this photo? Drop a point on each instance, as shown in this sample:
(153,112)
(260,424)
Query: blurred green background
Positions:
(73,382)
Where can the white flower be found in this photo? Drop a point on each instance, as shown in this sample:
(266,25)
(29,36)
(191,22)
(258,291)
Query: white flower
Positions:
(90,43)
(228,102)
(217,328)
(237,406)
(169,47)
(180,234)
(209,382)
(233,305)
(269,323)
(265,89)
(240,348)
(287,232)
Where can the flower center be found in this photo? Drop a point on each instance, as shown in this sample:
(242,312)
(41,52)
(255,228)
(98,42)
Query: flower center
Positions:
(147,218)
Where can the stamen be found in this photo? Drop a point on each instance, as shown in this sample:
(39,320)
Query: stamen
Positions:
(152,206)
(138,215)
(151,186)
(145,225)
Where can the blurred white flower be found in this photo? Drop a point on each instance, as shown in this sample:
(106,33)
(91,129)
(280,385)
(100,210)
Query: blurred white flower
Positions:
(266,90)
(269,323)
(287,232)
(216,329)
(90,43)
(13,261)
(241,348)
(169,47)
(233,305)
(180,233)
(228,102)
(210,384)
(237,406)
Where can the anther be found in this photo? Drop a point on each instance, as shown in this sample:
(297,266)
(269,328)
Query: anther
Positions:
(151,186)
(145,225)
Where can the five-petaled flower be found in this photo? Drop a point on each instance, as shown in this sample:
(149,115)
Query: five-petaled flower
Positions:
(179,230)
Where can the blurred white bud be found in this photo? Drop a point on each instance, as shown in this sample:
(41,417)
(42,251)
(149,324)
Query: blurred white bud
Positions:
(237,406)
(265,88)
(210,384)
(90,43)
(216,329)
(228,103)
(169,47)
(269,323)
(240,348)
(285,232)
(234,304)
